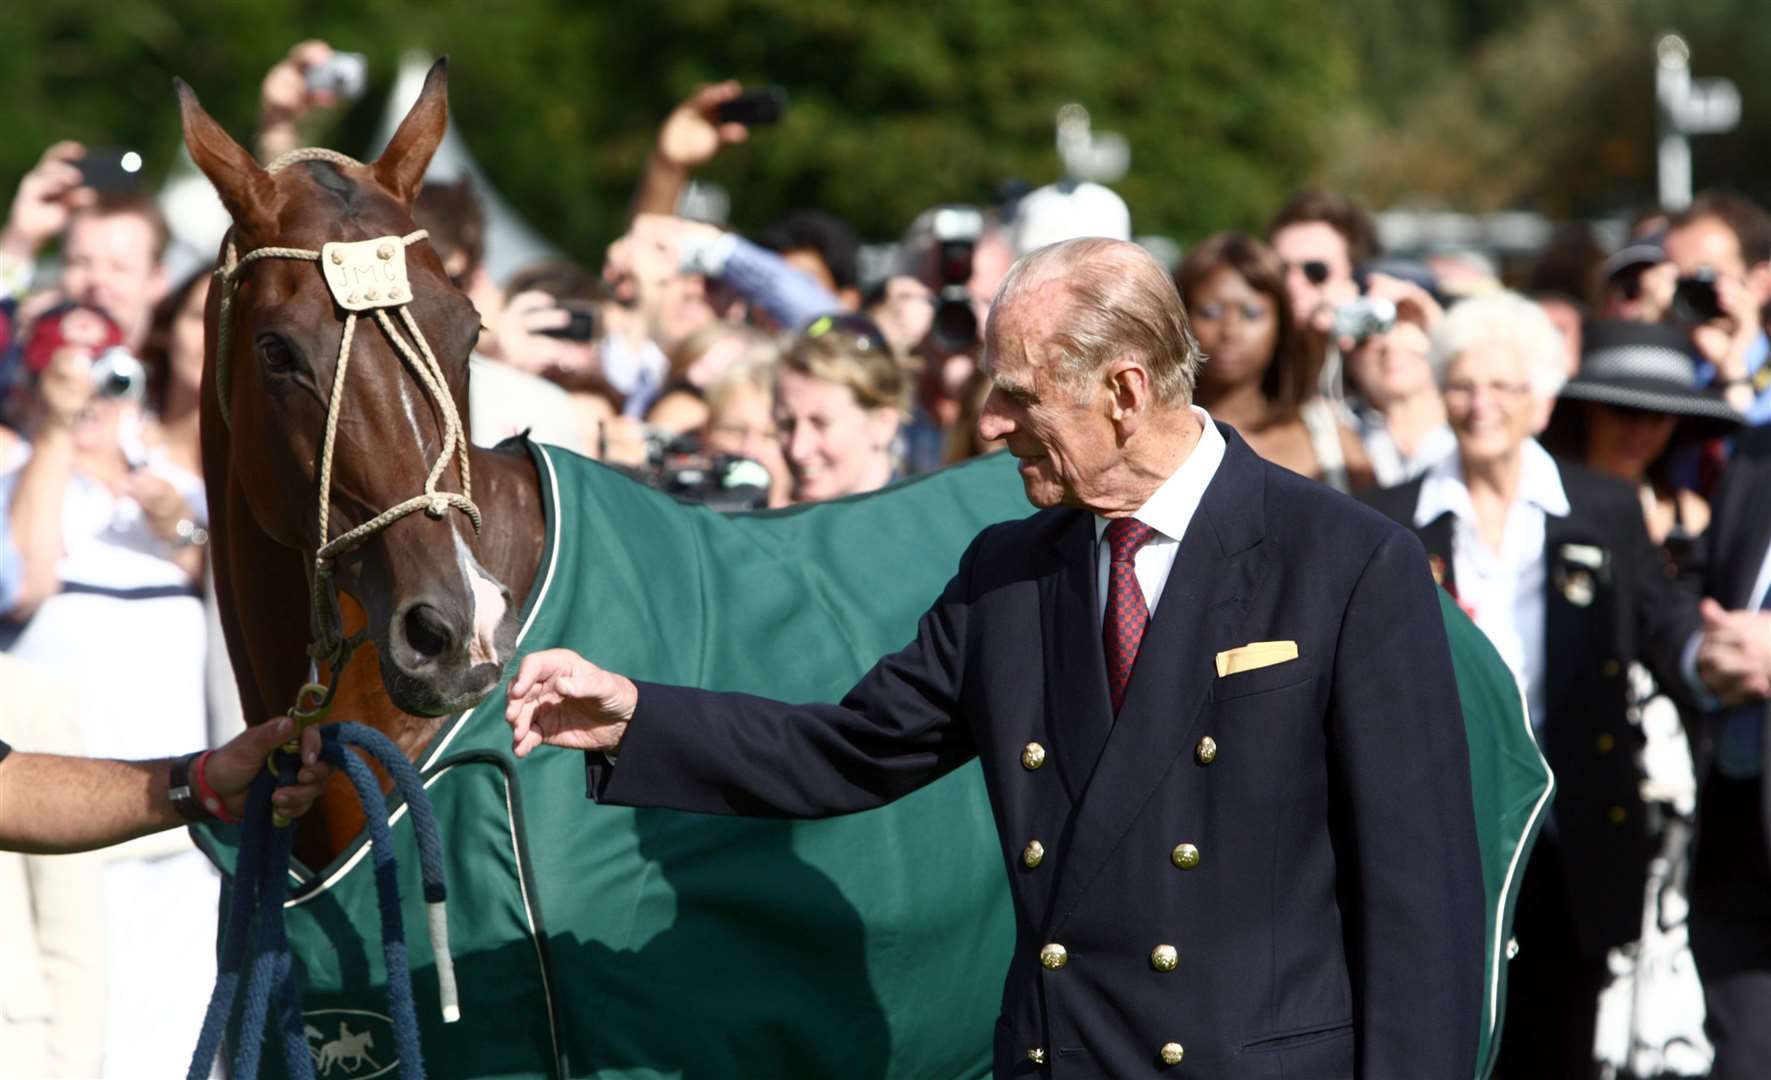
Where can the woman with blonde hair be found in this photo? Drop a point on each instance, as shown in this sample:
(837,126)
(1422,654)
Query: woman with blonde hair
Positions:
(840,398)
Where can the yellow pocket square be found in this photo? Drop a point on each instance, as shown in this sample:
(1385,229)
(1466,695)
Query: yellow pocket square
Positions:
(1256,654)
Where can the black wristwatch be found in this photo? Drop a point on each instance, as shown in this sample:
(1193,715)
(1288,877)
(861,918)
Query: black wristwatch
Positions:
(183,791)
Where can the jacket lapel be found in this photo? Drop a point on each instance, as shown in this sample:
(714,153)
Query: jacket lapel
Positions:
(1201,612)
(1435,536)
(1078,713)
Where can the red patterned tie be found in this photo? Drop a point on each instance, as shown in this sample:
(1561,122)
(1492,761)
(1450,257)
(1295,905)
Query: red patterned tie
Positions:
(1122,625)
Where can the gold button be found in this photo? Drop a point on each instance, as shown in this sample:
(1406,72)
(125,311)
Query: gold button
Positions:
(1036,1055)
(1032,756)
(1606,742)
(372,294)
(1611,669)
(1206,751)
(384,252)
(1164,958)
(1033,854)
(1054,956)
(1617,815)
(1172,1053)
(1185,856)
(338,258)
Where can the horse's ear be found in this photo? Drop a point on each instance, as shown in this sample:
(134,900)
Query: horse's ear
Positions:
(400,168)
(247,191)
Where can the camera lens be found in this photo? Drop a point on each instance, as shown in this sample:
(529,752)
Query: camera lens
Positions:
(955,324)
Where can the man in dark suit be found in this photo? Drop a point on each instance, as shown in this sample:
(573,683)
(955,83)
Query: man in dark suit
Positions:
(1731,875)
(1214,707)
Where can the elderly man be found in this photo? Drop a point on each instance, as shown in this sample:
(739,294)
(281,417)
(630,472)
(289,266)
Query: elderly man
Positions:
(1214,706)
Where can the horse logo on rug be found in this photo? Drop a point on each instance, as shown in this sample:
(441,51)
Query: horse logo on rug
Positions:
(348,1055)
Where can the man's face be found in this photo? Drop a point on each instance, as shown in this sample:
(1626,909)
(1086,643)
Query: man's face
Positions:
(109,263)
(1063,437)
(1705,244)
(1318,269)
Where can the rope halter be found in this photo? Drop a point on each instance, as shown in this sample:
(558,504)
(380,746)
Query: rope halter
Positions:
(363,276)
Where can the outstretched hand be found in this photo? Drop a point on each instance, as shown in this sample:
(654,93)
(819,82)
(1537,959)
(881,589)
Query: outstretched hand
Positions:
(561,699)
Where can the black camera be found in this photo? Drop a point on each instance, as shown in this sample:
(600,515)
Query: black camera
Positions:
(956,230)
(1695,300)
(678,465)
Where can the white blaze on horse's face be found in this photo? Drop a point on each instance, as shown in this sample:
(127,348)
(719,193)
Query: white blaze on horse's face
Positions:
(488,606)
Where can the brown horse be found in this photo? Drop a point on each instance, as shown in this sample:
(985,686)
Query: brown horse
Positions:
(436,596)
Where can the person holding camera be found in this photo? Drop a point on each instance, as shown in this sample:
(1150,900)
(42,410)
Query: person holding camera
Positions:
(111,539)
(1257,377)
(1716,283)
(1399,413)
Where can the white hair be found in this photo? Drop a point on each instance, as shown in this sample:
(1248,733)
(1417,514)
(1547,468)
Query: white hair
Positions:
(1504,318)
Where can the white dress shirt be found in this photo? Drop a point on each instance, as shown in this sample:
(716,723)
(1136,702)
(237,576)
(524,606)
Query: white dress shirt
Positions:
(1504,590)
(1169,511)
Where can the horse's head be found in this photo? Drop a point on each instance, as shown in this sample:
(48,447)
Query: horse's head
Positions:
(441,623)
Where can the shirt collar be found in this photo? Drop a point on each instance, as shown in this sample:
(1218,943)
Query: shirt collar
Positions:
(1443,492)
(1171,508)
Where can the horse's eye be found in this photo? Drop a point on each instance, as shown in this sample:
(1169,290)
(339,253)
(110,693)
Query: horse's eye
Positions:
(278,357)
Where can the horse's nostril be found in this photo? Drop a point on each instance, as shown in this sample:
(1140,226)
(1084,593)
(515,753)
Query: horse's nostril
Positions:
(428,632)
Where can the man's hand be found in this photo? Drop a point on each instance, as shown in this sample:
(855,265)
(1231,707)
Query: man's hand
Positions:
(1413,303)
(692,133)
(231,768)
(46,198)
(561,699)
(1734,658)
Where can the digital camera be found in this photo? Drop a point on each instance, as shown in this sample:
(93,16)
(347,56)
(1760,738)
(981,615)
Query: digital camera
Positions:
(1366,317)
(118,375)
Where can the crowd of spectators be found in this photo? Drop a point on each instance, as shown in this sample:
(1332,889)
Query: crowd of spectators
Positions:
(1558,450)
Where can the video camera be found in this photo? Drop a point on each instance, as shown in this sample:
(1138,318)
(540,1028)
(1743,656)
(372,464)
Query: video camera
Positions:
(678,465)
(956,230)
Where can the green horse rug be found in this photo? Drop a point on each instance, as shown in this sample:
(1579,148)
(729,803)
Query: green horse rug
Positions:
(603,942)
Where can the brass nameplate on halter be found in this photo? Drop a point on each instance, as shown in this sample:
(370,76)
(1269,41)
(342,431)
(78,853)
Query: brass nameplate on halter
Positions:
(367,274)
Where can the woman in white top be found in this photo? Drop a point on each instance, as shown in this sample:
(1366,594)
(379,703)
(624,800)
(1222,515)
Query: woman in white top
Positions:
(111,602)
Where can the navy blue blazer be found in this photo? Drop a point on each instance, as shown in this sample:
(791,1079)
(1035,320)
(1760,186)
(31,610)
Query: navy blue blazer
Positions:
(1300,835)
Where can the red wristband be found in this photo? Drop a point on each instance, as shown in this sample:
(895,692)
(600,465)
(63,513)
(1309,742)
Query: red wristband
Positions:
(211,801)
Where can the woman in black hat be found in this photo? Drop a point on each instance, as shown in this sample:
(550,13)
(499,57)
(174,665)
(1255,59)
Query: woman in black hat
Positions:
(1635,403)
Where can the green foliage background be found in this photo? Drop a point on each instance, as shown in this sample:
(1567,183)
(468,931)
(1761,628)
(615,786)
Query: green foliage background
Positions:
(1466,104)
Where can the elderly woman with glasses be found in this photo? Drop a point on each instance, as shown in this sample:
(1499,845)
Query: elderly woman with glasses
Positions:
(840,397)
(1553,562)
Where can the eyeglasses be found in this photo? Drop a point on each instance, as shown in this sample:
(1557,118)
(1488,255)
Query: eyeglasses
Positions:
(1466,391)
(1315,271)
(1250,312)
(865,335)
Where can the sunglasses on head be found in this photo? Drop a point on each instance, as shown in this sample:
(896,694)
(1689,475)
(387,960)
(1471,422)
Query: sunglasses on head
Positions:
(859,328)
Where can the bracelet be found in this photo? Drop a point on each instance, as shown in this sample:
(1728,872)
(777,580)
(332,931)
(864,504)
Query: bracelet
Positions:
(188,533)
(180,791)
(212,803)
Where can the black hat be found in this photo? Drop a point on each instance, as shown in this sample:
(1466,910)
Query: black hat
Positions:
(1651,367)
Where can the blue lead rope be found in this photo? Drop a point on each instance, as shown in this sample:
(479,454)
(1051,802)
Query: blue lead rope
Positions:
(261,885)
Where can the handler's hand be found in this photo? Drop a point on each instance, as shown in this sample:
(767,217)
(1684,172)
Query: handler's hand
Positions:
(561,699)
(232,767)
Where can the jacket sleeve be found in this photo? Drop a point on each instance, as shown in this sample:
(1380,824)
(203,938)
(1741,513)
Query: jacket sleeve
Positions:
(727,753)
(1404,821)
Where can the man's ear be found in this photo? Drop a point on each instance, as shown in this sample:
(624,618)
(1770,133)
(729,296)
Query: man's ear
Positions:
(1129,393)
(1758,282)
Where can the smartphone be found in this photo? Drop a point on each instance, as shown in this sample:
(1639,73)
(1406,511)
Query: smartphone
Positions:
(345,76)
(1695,301)
(110,168)
(581,327)
(753,107)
